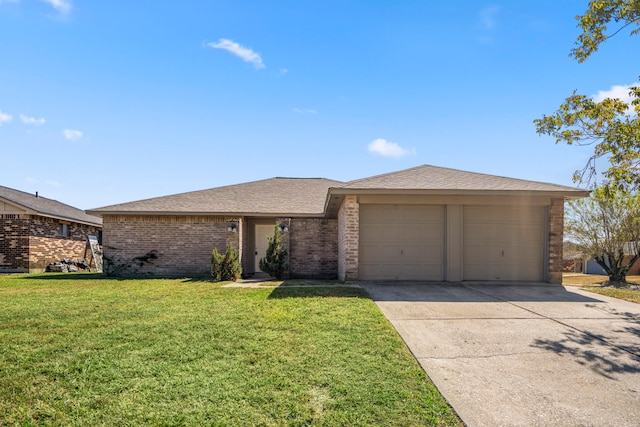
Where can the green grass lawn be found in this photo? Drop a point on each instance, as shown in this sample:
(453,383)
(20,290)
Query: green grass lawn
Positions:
(584,280)
(625,294)
(84,350)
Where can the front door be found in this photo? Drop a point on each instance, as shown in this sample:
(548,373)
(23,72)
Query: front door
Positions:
(263,233)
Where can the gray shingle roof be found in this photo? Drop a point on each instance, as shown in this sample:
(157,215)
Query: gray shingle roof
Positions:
(290,196)
(427,177)
(47,207)
(320,196)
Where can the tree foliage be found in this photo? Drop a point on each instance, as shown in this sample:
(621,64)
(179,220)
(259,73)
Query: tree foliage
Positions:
(226,267)
(594,24)
(611,125)
(608,126)
(274,262)
(606,227)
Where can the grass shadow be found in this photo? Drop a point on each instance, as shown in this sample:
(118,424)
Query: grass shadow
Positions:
(318,291)
(63,276)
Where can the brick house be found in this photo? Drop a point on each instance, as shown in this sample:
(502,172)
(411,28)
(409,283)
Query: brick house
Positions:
(35,231)
(424,223)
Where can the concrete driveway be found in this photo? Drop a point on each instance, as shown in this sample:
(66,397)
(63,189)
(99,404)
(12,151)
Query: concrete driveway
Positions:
(522,355)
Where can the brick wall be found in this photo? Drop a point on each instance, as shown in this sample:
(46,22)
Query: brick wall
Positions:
(556,229)
(182,244)
(14,243)
(313,248)
(47,246)
(348,235)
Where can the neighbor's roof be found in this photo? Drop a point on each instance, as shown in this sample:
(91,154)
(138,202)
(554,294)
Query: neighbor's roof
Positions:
(42,206)
(438,179)
(274,196)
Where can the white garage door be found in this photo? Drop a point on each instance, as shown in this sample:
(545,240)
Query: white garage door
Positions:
(401,242)
(503,243)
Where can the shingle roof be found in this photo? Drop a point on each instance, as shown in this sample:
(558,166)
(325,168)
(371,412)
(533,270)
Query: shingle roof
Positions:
(290,196)
(427,177)
(47,207)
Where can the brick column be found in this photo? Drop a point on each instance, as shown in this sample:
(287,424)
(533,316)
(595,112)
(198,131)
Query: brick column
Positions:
(286,244)
(556,228)
(348,236)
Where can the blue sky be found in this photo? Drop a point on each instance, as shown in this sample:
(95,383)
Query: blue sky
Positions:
(108,102)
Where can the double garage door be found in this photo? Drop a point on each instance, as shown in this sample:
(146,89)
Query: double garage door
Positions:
(408,242)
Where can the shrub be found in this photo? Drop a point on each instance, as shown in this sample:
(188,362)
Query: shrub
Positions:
(226,267)
(274,262)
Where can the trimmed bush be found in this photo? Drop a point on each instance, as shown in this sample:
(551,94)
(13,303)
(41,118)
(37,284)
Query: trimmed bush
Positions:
(274,262)
(226,267)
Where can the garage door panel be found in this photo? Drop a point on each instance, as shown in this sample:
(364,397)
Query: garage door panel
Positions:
(381,253)
(381,271)
(503,243)
(401,242)
(377,233)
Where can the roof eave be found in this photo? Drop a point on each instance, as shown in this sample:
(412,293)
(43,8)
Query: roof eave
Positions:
(31,211)
(199,213)
(570,194)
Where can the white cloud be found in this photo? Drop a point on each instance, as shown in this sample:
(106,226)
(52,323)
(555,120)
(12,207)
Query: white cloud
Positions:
(72,135)
(31,120)
(620,92)
(62,6)
(305,111)
(386,148)
(5,118)
(488,16)
(244,53)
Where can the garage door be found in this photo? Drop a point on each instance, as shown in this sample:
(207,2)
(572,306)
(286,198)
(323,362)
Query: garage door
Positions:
(401,242)
(503,243)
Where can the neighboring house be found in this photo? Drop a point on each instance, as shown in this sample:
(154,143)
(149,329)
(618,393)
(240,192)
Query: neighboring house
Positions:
(592,266)
(35,231)
(424,223)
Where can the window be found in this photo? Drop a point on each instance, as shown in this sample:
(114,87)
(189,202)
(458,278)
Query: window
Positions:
(63,230)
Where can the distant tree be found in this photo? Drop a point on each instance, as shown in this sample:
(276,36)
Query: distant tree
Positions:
(611,125)
(274,262)
(606,226)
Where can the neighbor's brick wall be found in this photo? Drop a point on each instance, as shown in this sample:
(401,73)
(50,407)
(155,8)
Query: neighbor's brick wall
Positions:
(556,229)
(313,248)
(183,243)
(348,235)
(47,246)
(14,242)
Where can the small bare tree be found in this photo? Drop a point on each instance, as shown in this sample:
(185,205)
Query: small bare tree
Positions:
(606,226)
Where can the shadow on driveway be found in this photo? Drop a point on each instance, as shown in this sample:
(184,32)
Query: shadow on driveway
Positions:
(521,354)
(471,292)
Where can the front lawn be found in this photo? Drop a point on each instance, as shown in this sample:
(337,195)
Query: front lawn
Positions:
(85,350)
(585,280)
(625,294)
(573,279)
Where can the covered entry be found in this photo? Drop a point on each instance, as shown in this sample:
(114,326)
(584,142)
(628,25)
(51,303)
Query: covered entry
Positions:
(401,242)
(503,243)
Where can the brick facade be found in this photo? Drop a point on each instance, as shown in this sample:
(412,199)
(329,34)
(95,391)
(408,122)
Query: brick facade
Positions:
(348,238)
(313,248)
(556,227)
(14,243)
(318,247)
(47,246)
(166,245)
(29,242)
